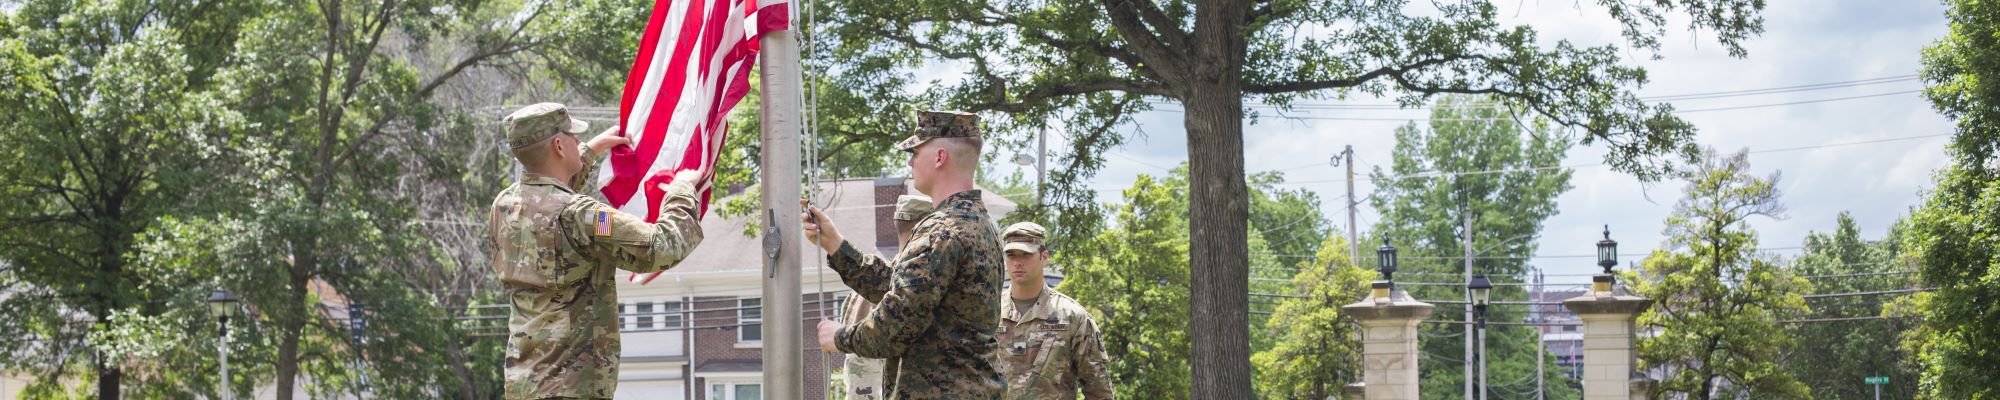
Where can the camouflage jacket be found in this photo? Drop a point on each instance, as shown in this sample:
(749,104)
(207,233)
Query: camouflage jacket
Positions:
(1051,350)
(555,251)
(862,374)
(937,306)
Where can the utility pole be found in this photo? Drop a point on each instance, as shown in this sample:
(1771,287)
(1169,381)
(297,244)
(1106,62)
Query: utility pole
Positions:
(1466,232)
(784,363)
(1041,165)
(1540,313)
(1353,233)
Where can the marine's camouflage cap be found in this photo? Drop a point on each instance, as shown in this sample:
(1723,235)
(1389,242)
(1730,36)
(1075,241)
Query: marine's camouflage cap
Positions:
(912,207)
(940,124)
(537,122)
(1024,236)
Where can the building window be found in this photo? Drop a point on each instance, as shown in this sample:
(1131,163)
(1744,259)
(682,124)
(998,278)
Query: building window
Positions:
(645,315)
(1569,328)
(670,314)
(735,391)
(624,316)
(750,320)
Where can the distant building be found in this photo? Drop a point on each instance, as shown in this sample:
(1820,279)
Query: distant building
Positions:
(1562,331)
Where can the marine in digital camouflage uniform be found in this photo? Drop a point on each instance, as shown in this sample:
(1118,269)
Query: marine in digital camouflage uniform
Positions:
(862,374)
(939,299)
(1049,345)
(556,252)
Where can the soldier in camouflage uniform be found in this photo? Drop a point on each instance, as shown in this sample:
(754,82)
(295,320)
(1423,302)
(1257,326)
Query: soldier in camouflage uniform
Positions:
(939,300)
(555,250)
(863,374)
(1049,345)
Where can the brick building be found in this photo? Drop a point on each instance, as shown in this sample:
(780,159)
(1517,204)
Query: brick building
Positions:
(695,332)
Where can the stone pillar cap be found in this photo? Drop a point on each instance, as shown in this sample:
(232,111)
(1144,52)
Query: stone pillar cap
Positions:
(1399,306)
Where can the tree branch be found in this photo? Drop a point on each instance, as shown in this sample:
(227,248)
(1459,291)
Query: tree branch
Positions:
(1170,61)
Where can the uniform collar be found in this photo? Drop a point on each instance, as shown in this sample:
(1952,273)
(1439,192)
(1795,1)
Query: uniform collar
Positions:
(530,178)
(1038,312)
(965,200)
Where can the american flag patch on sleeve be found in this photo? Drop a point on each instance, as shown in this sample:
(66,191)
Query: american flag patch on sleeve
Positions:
(603,223)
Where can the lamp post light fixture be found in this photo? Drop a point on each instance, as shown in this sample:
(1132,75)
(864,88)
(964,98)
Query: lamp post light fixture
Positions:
(1607,251)
(1385,261)
(223,305)
(1607,257)
(1482,292)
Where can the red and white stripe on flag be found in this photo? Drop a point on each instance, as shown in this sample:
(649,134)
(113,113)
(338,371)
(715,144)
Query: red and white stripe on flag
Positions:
(692,67)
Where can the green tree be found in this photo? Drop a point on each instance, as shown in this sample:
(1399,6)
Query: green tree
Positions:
(1717,301)
(1133,278)
(104,110)
(1954,236)
(1473,161)
(1316,351)
(1832,357)
(1093,64)
(339,96)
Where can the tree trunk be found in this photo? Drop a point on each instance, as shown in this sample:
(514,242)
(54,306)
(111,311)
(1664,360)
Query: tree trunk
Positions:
(110,266)
(1219,215)
(468,382)
(292,328)
(1219,241)
(108,376)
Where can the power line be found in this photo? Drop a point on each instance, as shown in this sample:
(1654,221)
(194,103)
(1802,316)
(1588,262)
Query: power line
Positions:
(1793,103)
(1438,174)
(1426,119)
(1671,97)
(1873,293)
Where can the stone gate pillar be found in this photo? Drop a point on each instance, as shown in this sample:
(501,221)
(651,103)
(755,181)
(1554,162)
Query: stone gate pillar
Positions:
(1388,319)
(1608,360)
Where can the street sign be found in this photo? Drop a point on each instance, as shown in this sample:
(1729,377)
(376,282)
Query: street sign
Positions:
(1877,380)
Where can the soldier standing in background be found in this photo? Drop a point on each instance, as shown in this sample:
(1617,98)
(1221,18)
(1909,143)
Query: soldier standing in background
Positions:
(1049,345)
(556,252)
(938,302)
(863,374)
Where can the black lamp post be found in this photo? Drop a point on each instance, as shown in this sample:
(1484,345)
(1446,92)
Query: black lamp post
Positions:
(223,306)
(1607,257)
(1607,251)
(1482,291)
(1385,260)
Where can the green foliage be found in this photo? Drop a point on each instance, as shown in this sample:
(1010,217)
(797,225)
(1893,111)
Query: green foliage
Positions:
(1474,159)
(103,107)
(1952,236)
(1717,301)
(1833,357)
(1316,351)
(1134,277)
(298,155)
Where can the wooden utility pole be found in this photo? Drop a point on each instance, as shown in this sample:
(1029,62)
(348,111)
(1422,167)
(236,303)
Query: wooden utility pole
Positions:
(784,366)
(1353,233)
(1465,210)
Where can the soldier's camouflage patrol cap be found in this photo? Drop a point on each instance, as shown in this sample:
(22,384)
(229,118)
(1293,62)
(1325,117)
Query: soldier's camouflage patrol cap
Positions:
(1024,237)
(537,122)
(940,124)
(912,207)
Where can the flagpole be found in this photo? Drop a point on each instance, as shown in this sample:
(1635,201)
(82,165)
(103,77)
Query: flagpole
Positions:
(784,365)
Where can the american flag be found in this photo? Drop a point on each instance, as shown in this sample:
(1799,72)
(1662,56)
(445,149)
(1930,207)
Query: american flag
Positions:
(692,67)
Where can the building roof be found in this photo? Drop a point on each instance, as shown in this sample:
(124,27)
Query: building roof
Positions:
(851,204)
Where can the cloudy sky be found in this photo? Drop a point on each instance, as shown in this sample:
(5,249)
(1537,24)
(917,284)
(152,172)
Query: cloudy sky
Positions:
(1806,42)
